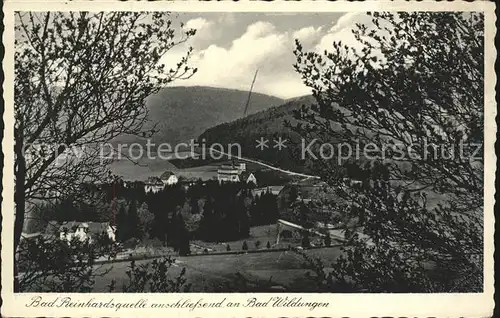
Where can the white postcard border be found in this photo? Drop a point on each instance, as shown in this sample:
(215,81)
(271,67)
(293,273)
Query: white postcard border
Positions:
(355,305)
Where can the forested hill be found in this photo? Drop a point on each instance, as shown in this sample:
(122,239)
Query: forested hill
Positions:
(183,113)
(268,124)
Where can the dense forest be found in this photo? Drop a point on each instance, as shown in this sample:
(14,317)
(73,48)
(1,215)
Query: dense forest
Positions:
(268,124)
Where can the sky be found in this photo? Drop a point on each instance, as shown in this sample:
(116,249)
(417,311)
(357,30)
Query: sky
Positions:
(230,47)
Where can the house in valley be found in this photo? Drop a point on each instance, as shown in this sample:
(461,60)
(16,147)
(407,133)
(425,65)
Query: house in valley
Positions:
(229,172)
(154,185)
(82,231)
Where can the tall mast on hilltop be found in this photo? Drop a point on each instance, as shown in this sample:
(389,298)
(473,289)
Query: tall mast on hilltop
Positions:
(250,93)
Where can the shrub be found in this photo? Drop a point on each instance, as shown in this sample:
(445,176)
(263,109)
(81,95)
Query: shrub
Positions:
(131,243)
(328,240)
(305,241)
(153,277)
(53,265)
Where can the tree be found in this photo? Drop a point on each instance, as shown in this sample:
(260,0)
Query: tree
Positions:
(208,221)
(265,209)
(122,226)
(305,243)
(145,218)
(192,222)
(328,240)
(60,266)
(301,214)
(191,215)
(195,207)
(133,221)
(81,79)
(179,235)
(153,277)
(241,218)
(42,214)
(268,245)
(417,84)
(183,240)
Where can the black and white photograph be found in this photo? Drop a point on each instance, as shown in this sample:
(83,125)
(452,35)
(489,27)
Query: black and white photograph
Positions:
(268,152)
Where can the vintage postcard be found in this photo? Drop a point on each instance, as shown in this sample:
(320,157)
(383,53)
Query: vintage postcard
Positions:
(248,159)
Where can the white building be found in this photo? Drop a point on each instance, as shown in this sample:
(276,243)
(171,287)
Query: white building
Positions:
(169,178)
(231,173)
(248,177)
(86,231)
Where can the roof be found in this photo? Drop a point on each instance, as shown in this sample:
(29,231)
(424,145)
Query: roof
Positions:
(70,226)
(273,189)
(317,197)
(98,227)
(167,175)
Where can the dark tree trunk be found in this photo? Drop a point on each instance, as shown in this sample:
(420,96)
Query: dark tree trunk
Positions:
(19,196)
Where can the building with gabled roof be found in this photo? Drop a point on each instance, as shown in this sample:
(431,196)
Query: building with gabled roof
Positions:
(235,172)
(169,178)
(248,177)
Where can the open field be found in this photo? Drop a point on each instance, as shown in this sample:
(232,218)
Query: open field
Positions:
(262,234)
(217,272)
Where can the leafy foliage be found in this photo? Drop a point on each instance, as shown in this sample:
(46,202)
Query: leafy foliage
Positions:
(82,79)
(153,277)
(264,209)
(225,208)
(53,265)
(416,84)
